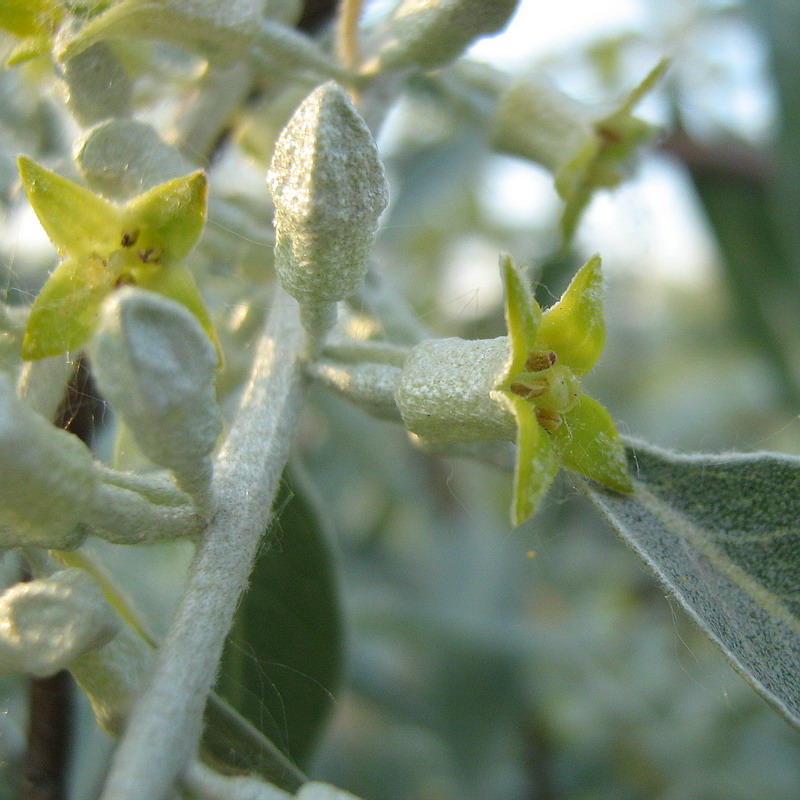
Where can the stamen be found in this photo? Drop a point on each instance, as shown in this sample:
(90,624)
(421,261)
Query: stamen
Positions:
(129,238)
(539,360)
(549,420)
(529,389)
(151,255)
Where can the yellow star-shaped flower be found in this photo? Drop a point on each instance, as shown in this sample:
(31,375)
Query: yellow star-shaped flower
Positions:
(105,246)
(557,424)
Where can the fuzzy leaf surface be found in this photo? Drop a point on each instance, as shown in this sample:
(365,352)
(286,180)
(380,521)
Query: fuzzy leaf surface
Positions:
(723,534)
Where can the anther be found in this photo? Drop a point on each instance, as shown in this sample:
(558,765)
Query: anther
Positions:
(529,389)
(129,238)
(152,255)
(539,360)
(549,420)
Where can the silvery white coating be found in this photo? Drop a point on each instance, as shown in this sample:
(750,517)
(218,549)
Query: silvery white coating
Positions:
(46,624)
(220,31)
(98,86)
(329,188)
(48,478)
(431,33)
(370,386)
(156,365)
(113,676)
(446,391)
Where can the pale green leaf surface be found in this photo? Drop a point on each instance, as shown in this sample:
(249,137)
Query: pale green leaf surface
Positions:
(723,533)
(177,283)
(122,158)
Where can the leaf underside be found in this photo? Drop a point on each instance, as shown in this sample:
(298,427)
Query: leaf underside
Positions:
(723,533)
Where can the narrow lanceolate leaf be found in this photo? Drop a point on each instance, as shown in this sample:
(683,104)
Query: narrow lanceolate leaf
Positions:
(723,533)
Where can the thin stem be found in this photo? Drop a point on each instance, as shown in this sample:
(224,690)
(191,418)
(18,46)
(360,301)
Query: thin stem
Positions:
(318,322)
(347,33)
(355,351)
(165,724)
(46,759)
(125,517)
(204,125)
(277,47)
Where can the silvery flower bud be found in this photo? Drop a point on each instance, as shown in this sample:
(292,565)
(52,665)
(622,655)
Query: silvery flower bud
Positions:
(329,188)
(99,87)
(46,624)
(156,365)
(446,391)
(432,33)
(48,478)
(536,120)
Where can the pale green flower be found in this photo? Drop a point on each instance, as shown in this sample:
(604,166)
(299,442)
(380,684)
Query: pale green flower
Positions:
(525,387)
(104,246)
(557,423)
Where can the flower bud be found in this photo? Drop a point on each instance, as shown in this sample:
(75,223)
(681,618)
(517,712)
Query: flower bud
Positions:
(329,188)
(156,365)
(113,676)
(536,120)
(432,33)
(585,148)
(46,624)
(48,478)
(98,85)
(446,391)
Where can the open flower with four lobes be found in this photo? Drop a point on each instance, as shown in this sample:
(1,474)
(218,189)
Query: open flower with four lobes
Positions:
(525,387)
(105,246)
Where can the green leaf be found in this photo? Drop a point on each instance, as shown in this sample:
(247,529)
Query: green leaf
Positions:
(219,33)
(431,33)
(723,533)
(283,658)
(232,744)
(536,464)
(25,17)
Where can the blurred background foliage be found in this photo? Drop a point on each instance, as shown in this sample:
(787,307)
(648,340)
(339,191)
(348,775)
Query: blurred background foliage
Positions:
(541,663)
